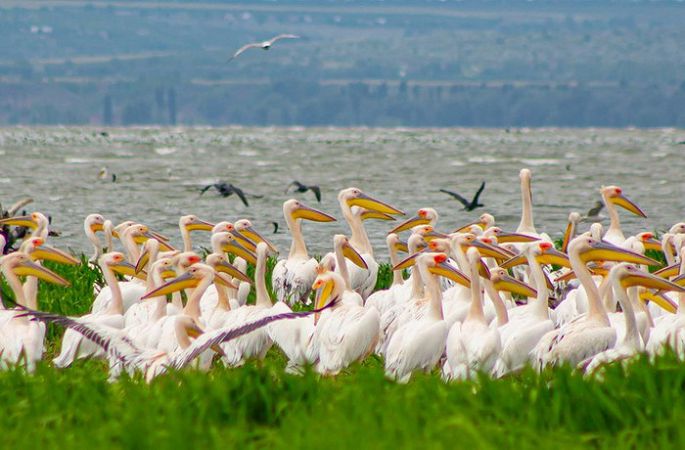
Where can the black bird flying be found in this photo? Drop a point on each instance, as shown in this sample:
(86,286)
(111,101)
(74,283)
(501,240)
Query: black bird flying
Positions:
(468,205)
(227,189)
(299,187)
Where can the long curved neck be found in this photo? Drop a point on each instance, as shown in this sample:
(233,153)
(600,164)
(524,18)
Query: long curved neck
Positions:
(500,307)
(394,260)
(223,302)
(15,285)
(342,268)
(160,301)
(615,224)
(92,237)
(116,304)
(31,291)
(297,247)
(596,309)
(261,294)
(632,336)
(668,250)
(181,334)
(192,307)
(417,285)
(526,225)
(187,243)
(358,237)
(434,293)
(131,248)
(540,307)
(476,310)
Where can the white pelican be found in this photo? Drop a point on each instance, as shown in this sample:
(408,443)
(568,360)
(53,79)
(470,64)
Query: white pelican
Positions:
(623,276)
(613,195)
(345,333)
(419,344)
(591,333)
(571,230)
(73,344)
(363,280)
(20,338)
(35,221)
(93,224)
(424,216)
(472,345)
(484,222)
(292,277)
(385,299)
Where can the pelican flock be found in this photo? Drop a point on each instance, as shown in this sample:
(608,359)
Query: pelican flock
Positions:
(472,300)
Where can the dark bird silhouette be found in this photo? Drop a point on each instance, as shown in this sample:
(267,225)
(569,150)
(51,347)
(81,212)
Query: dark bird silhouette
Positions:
(593,213)
(299,187)
(468,205)
(275,224)
(227,189)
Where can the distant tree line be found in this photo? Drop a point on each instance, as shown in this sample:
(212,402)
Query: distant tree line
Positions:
(310,103)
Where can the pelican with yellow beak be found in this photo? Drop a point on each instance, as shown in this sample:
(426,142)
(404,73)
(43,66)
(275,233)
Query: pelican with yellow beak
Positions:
(346,332)
(362,280)
(21,340)
(623,276)
(191,223)
(591,333)
(74,345)
(419,344)
(424,216)
(292,277)
(613,196)
(36,221)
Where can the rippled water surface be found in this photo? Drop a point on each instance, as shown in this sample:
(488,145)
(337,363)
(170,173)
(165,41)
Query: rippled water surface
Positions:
(160,173)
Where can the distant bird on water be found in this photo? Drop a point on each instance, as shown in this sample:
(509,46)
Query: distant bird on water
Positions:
(468,205)
(265,45)
(227,189)
(299,187)
(593,213)
(104,174)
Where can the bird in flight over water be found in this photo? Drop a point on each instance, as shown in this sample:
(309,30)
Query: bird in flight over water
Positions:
(299,187)
(468,205)
(265,45)
(227,189)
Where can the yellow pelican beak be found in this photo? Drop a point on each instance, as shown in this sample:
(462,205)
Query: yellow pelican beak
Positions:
(650,243)
(639,278)
(429,236)
(406,262)
(49,253)
(324,289)
(410,223)
(254,236)
(372,204)
(567,236)
(126,268)
(669,271)
(450,272)
(553,256)
(20,221)
(402,247)
(237,249)
(467,228)
(199,225)
(224,280)
(490,251)
(604,251)
(307,213)
(659,299)
(97,227)
(353,255)
(622,201)
(511,284)
(168,274)
(506,237)
(184,281)
(31,269)
(375,215)
(231,270)
(142,261)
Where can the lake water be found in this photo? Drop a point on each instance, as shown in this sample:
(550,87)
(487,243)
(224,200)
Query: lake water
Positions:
(160,172)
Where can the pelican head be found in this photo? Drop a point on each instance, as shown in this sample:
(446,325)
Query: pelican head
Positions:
(614,194)
(543,252)
(218,262)
(224,225)
(32,221)
(244,228)
(502,281)
(229,243)
(94,223)
(505,236)
(191,278)
(38,250)
(393,241)
(19,263)
(342,244)
(436,264)
(192,223)
(589,249)
(328,285)
(424,216)
(427,232)
(356,197)
(184,260)
(484,222)
(630,275)
(295,209)
(116,261)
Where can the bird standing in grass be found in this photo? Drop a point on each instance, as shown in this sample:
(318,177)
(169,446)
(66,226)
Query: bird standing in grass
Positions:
(227,189)
(468,205)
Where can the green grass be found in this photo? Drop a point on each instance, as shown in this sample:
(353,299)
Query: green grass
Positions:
(258,406)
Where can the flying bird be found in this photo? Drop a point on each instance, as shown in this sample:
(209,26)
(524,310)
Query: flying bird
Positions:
(468,205)
(275,224)
(265,45)
(299,187)
(227,189)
